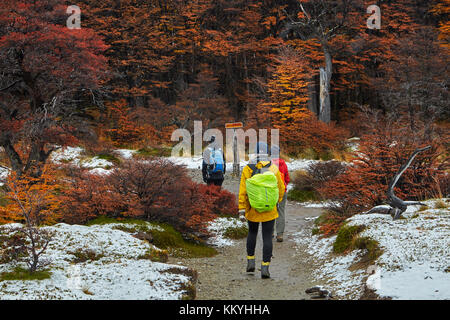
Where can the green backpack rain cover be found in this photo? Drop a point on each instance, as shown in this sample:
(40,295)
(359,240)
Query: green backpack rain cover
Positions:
(262,191)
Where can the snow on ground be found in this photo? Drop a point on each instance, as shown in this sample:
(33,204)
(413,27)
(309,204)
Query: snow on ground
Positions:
(416,259)
(332,270)
(415,263)
(74,156)
(196,163)
(3,175)
(323,204)
(300,164)
(67,154)
(125,153)
(217,229)
(121,272)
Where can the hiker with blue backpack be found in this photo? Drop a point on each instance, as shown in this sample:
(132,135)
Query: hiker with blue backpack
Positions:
(260,190)
(214,166)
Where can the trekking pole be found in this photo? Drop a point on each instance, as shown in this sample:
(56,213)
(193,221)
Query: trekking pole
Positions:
(236,167)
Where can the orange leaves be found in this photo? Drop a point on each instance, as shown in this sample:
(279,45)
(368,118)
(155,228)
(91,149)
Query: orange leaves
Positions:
(30,199)
(380,154)
(123,130)
(287,105)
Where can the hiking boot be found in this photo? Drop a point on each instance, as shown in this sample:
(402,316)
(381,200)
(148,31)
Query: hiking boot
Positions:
(265,270)
(280,238)
(251,264)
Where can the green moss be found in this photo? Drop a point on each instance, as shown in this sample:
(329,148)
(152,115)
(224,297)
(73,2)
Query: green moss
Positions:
(302,195)
(106,220)
(326,155)
(236,233)
(20,273)
(173,241)
(372,247)
(109,157)
(345,238)
(168,238)
(85,255)
(155,255)
(154,152)
(309,153)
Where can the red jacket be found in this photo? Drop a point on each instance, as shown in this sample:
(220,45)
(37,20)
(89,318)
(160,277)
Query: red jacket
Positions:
(281,164)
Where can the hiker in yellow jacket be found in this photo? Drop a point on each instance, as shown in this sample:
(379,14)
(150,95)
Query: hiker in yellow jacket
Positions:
(267,219)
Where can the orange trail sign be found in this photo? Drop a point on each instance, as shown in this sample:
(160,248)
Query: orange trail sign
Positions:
(234,125)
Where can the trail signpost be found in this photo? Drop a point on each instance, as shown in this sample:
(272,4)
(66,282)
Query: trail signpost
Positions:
(234,126)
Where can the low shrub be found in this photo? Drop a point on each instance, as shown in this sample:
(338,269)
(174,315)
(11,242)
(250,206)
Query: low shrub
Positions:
(156,255)
(371,245)
(345,238)
(308,182)
(154,190)
(385,147)
(83,255)
(236,232)
(328,223)
(302,195)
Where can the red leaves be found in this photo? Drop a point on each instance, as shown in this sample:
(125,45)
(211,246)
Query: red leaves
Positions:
(155,190)
(380,154)
(124,130)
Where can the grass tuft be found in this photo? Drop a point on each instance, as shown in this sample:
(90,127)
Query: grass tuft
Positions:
(236,233)
(23,274)
(302,195)
(345,238)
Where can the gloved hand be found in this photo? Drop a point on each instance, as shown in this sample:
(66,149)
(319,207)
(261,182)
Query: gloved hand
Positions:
(242,215)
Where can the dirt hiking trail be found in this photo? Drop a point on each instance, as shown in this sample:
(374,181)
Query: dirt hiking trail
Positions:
(223,277)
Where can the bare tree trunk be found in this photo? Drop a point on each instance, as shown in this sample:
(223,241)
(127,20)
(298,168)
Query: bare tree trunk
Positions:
(14,158)
(312,96)
(325,79)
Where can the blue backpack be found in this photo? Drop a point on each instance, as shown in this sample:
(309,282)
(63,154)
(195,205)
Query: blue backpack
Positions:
(216,163)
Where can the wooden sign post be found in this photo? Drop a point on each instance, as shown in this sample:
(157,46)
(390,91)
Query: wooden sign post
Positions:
(236,161)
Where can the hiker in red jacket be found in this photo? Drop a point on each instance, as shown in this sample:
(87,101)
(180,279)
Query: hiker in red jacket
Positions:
(281,206)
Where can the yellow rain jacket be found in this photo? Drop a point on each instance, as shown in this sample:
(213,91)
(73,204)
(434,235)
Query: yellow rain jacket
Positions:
(250,213)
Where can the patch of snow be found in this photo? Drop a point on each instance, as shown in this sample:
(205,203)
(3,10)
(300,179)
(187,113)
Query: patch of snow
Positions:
(100,171)
(332,269)
(95,162)
(73,156)
(66,154)
(300,164)
(414,263)
(125,153)
(119,274)
(323,204)
(217,228)
(4,172)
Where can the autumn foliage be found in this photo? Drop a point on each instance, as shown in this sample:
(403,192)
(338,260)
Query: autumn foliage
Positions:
(154,190)
(381,152)
(31,200)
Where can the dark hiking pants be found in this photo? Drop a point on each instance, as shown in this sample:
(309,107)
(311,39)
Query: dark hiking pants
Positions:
(267,228)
